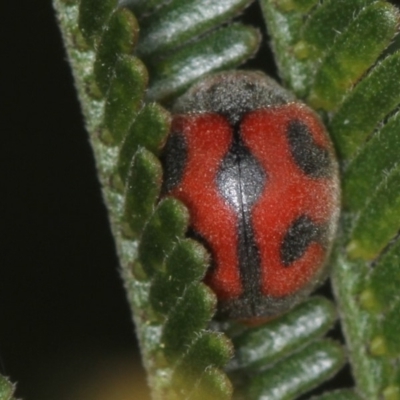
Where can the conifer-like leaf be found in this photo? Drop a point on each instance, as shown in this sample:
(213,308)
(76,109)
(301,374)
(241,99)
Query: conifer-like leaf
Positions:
(296,375)
(165,30)
(336,62)
(264,345)
(6,389)
(274,361)
(116,49)
(345,394)
(221,49)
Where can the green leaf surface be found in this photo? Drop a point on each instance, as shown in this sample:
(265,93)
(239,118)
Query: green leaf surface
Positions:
(382,287)
(297,5)
(6,389)
(352,54)
(318,32)
(373,373)
(142,7)
(285,27)
(392,392)
(339,62)
(381,216)
(366,106)
(390,330)
(167,224)
(142,191)
(120,38)
(93,16)
(181,20)
(298,374)
(345,394)
(188,262)
(266,344)
(193,310)
(226,48)
(371,165)
(210,348)
(122,102)
(149,130)
(213,384)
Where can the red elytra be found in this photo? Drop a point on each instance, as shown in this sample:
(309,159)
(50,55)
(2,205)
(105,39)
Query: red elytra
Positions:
(261,186)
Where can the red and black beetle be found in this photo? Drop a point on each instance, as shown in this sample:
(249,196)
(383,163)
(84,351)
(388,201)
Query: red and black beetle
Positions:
(257,171)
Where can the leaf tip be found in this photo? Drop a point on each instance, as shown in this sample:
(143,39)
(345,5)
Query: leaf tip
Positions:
(368,301)
(391,392)
(356,249)
(378,346)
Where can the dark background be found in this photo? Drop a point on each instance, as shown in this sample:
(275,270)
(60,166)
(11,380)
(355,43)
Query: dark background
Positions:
(65,326)
(64,318)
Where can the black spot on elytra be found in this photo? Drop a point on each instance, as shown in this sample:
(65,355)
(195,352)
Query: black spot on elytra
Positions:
(301,233)
(311,158)
(173,159)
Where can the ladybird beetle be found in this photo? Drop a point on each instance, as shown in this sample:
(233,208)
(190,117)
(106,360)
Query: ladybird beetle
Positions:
(257,171)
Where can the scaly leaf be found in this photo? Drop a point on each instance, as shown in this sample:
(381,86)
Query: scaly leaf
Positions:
(380,216)
(168,27)
(352,54)
(120,38)
(339,62)
(226,48)
(366,106)
(162,270)
(338,395)
(268,343)
(6,389)
(303,371)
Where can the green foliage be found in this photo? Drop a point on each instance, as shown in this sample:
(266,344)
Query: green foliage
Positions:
(381,216)
(163,270)
(318,32)
(120,38)
(170,283)
(221,49)
(304,370)
(371,165)
(93,16)
(122,103)
(168,223)
(264,345)
(167,29)
(344,394)
(369,33)
(273,361)
(383,286)
(330,54)
(142,190)
(354,122)
(338,65)
(6,389)
(215,385)
(148,130)
(142,7)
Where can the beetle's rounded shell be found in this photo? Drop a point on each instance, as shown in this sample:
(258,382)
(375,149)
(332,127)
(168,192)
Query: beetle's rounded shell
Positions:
(258,173)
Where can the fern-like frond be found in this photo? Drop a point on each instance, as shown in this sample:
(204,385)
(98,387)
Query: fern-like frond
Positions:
(6,389)
(287,357)
(335,60)
(125,56)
